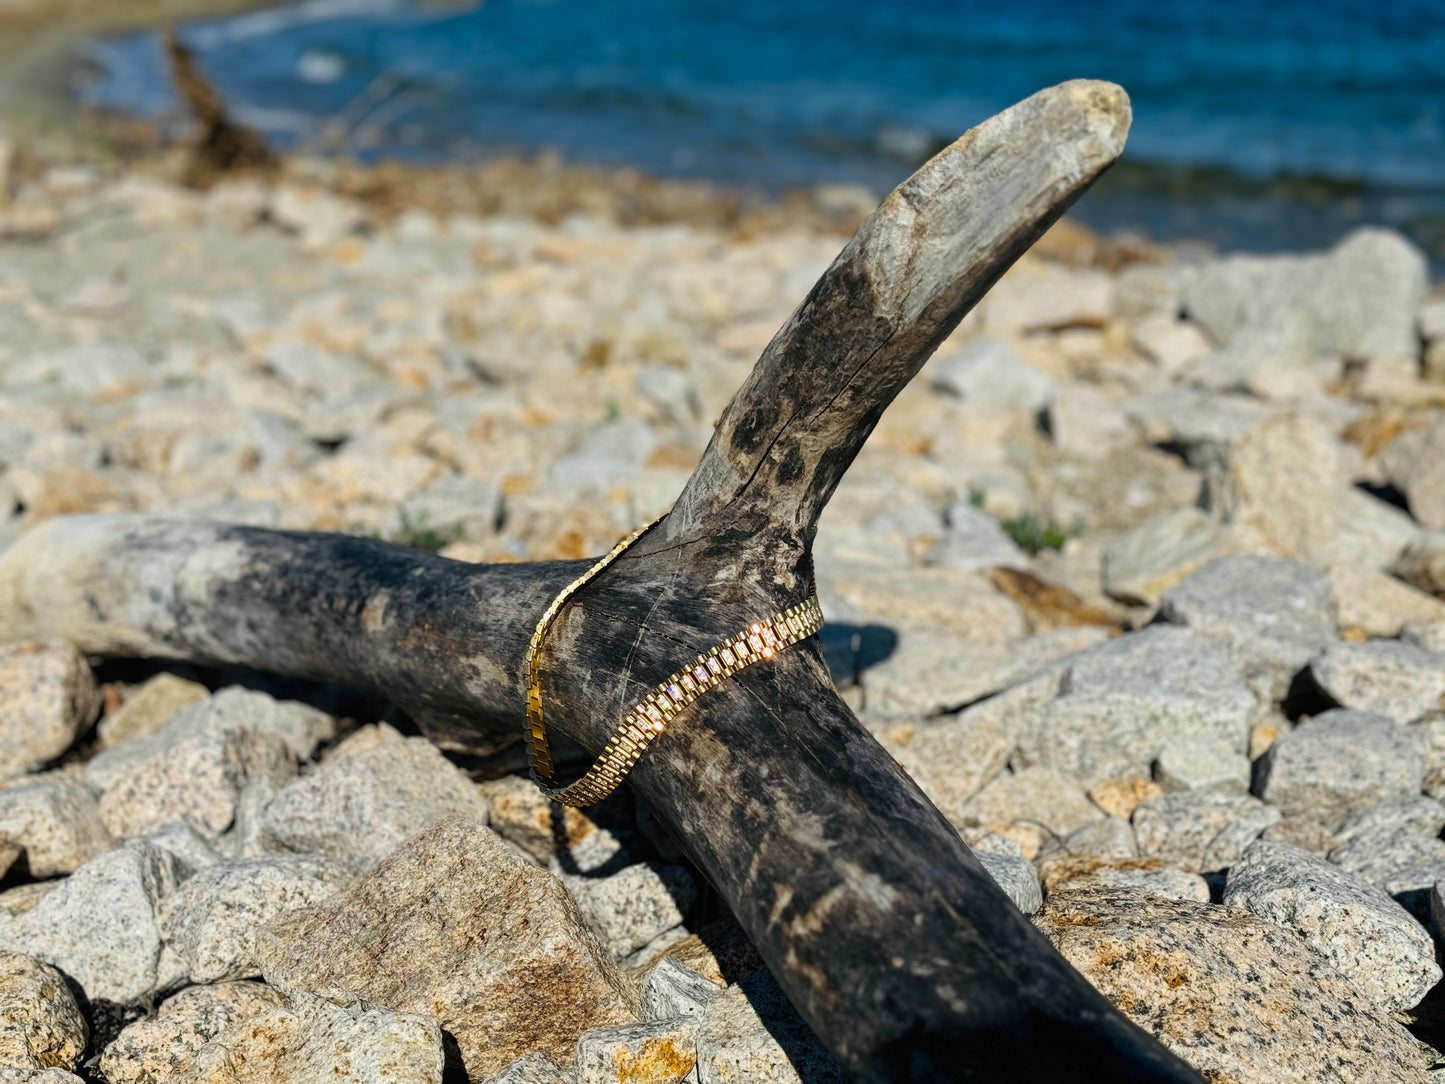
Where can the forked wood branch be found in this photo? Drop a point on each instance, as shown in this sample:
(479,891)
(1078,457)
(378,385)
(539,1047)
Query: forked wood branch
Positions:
(886,933)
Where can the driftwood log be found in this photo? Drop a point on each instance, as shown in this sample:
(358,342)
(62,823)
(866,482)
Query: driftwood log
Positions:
(886,933)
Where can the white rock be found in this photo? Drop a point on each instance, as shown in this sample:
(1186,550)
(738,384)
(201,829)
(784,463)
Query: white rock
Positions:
(54,821)
(1386,677)
(989,374)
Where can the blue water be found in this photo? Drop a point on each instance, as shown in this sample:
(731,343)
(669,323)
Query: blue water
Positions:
(1236,102)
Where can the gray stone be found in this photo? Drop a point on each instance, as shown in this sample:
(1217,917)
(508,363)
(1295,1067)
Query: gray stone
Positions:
(1123,700)
(454,507)
(363,806)
(1377,604)
(1140,564)
(1012,872)
(1271,615)
(661,1051)
(989,374)
(1046,798)
(40,1025)
(49,696)
(148,708)
(212,920)
(54,821)
(1382,676)
(610,455)
(1415,464)
(1422,563)
(974,539)
(1200,832)
(316,1042)
(533,1068)
(300,726)
(523,815)
(1112,837)
(99,926)
(1365,934)
(1404,864)
(750,1032)
(1085,422)
(197,777)
(1300,832)
(1037,295)
(457,925)
(635,905)
(1202,765)
(183,841)
(1149,875)
(1337,763)
(9,1075)
(16,901)
(158,1048)
(673,989)
(1416,813)
(1196,977)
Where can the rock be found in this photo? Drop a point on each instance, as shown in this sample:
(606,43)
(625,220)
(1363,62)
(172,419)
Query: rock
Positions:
(159,1048)
(454,507)
(199,778)
(1031,803)
(1376,604)
(1415,464)
(301,727)
(1359,300)
(1385,677)
(989,374)
(959,603)
(1202,765)
(148,708)
(1124,699)
(1277,487)
(54,821)
(1172,344)
(1149,875)
(974,539)
(1300,832)
(1271,615)
(1201,832)
(635,905)
(533,1068)
(316,1042)
(522,814)
(1403,863)
(98,925)
(1408,813)
(457,925)
(1140,564)
(183,841)
(213,919)
(655,1052)
(671,989)
(1119,797)
(37,1076)
(1035,296)
(1194,975)
(750,1032)
(1366,935)
(929,674)
(320,217)
(1337,763)
(610,455)
(362,807)
(50,697)
(1004,859)
(1085,422)
(1112,837)
(1423,563)
(721,952)
(16,901)
(40,1025)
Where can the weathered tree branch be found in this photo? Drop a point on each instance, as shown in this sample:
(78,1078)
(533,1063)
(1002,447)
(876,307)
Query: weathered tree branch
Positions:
(885,931)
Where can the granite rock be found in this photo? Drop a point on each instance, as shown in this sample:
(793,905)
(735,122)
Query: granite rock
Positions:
(990,375)
(212,920)
(300,726)
(533,1068)
(671,988)
(1031,805)
(148,708)
(1300,832)
(1422,563)
(1271,615)
(1404,864)
(1149,875)
(750,1033)
(1112,837)
(635,905)
(1337,763)
(9,1075)
(1011,871)
(1366,935)
(1141,563)
(1374,603)
(1386,677)
(99,927)
(1201,832)
(364,806)
(157,1049)
(653,1052)
(1237,997)
(1417,813)
(1123,700)
(523,815)
(40,1025)
(1203,766)
(1415,464)
(457,925)
(974,539)
(54,821)
(50,697)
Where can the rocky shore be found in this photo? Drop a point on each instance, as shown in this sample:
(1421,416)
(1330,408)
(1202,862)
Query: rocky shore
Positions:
(1143,580)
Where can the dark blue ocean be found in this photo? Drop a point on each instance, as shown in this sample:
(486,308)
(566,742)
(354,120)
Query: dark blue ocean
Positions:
(1256,124)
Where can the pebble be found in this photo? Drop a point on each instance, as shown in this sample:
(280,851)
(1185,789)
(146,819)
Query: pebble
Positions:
(1201,832)
(457,925)
(364,806)
(212,920)
(41,1027)
(1366,935)
(54,821)
(99,926)
(159,1048)
(1122,700)
(1337,763)
(50,697)
(1271,615)
(1385,677)
(1237,997)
